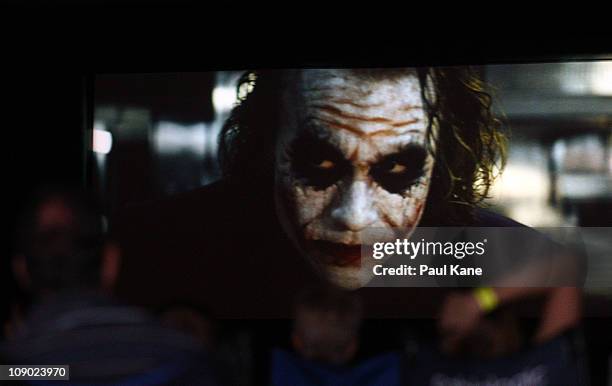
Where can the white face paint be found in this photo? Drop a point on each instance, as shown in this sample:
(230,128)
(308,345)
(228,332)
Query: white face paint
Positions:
(351,155)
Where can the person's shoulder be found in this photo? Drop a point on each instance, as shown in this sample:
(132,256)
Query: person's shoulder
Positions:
(201,197)
(103,343)
(531,238)
(178,211)
(488,218)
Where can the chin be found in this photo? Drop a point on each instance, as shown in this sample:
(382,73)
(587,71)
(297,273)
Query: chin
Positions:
(348,277)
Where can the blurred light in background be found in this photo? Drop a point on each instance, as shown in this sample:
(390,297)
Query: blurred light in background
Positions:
(522,191)
(224,97)
(101,145)
(559,169)
(171,138)
(583,186)
(586,78)
(102,140)
(582,167)
(601,78)
(582,153)
(519,182)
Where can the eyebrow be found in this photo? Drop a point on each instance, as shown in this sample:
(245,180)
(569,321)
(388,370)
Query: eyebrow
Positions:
(411,148)
(311,138)
(309,141)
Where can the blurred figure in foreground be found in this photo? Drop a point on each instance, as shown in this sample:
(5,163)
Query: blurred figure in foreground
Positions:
(325,338)
(231,351)
(192,321)
(327,325)
(68,268)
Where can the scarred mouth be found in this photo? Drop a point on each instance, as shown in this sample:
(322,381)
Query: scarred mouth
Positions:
(337,254)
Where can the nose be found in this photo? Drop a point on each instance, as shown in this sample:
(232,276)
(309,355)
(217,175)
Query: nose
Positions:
(355,209)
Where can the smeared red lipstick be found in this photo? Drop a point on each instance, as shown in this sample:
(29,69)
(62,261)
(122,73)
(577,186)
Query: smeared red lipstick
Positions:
(341,255)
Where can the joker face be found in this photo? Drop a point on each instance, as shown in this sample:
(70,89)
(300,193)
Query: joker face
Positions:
(351,156)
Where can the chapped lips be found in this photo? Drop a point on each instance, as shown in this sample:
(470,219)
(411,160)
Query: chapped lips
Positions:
(341,255)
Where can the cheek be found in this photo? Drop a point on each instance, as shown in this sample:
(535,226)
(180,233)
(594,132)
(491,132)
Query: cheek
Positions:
(402,211)
(305,203)
(398,211)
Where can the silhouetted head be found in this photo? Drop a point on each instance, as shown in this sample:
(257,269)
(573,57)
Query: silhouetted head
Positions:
(61,244)
(326,327)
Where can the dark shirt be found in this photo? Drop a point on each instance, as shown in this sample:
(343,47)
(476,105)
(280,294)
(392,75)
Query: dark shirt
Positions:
(222,247)
(104,342)
(219,247)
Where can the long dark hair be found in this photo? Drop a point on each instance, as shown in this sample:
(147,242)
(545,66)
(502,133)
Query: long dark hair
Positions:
(470,146)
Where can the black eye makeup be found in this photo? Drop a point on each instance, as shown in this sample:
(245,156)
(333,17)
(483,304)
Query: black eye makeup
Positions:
(319,164)
(316,162)
(399,171)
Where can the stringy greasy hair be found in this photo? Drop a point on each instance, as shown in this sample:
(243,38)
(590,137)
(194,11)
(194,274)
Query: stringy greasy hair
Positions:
(468,141)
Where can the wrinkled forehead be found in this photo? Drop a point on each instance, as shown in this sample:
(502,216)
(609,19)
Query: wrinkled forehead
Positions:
(361,104)
(374,88)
